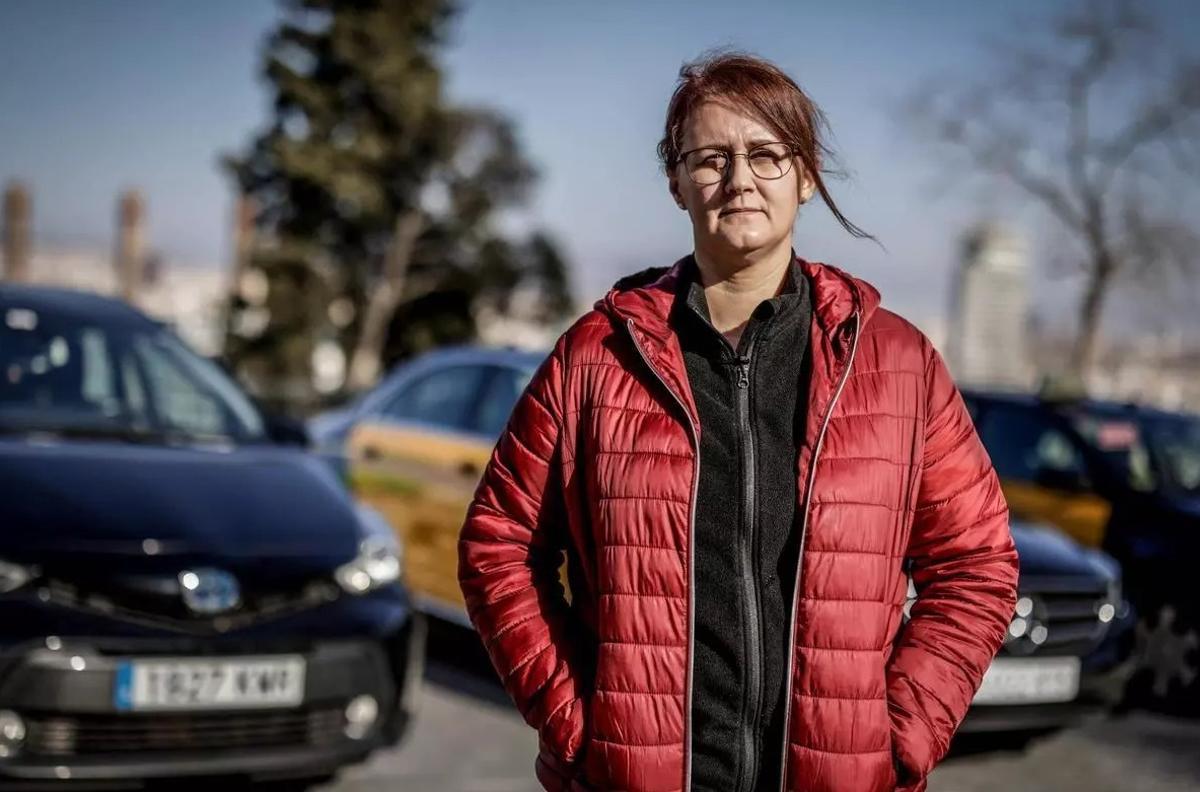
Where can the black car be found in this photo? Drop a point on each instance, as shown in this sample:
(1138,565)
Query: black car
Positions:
(1067,649)
(184,591)
(1124,478)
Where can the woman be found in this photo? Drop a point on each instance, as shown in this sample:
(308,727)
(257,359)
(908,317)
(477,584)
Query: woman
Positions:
(744,458)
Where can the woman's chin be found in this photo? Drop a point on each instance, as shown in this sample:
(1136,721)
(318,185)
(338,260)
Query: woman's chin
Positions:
(744,243)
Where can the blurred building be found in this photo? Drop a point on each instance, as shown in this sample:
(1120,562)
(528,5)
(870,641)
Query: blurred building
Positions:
(1154,369)
(934,326)
(986,343)
(519,326)
(189,298)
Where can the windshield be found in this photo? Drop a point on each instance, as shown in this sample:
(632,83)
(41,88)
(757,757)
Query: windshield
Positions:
(131,381)
(1156,452)
(1175,442)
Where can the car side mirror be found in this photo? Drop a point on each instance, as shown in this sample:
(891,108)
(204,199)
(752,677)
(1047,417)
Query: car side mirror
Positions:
(286,430)
(1062,480)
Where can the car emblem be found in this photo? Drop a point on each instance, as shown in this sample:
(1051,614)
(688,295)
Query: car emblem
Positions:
(209,591)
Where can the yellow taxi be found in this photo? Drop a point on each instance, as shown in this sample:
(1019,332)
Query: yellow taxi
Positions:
(414,448)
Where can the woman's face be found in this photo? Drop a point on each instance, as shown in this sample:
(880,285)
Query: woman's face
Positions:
(743,213)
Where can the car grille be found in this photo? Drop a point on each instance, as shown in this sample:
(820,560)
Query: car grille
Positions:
(82,735)
(1067,610)
(155,601)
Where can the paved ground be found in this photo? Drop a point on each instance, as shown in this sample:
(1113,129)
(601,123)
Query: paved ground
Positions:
(467,739)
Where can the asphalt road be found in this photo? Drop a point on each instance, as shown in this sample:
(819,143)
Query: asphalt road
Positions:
(467,738)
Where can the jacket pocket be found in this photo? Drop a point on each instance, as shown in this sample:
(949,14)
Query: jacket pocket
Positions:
(562,745)
(557,776)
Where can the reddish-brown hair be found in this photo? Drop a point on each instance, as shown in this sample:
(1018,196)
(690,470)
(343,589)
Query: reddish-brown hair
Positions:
(762,89)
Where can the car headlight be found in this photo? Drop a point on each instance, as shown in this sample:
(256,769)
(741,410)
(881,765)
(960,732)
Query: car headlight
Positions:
(379,556)
(1114,606)
(14,576)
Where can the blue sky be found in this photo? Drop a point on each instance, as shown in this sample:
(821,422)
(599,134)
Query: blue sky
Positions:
(97,96)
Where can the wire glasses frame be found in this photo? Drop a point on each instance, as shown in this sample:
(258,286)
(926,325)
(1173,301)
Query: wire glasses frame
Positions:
(711,165)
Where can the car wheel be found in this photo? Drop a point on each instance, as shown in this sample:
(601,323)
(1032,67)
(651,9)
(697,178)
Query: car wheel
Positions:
(1166,676)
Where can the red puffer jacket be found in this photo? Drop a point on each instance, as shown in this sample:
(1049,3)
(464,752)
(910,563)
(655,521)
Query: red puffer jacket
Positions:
(599,459)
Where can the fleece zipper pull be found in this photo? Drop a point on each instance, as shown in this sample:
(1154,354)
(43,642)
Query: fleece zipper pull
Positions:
(743,372)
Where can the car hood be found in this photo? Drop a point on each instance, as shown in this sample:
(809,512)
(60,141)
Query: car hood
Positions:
(89,500)
(1044,551)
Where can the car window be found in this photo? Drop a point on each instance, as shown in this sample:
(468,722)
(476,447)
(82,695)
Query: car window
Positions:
(1121,443)
(61,374)
(177,401)
(443,397)
(1025,445)
(500,395)
(1181,457)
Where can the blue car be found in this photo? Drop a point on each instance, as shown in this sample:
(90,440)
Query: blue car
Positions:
(185,590)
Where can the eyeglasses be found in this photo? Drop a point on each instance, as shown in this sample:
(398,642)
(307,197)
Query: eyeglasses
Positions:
(707,166)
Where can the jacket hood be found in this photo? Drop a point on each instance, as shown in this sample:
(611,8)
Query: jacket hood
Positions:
(646,297)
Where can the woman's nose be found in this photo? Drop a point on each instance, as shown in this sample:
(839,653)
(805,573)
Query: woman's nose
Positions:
(739,177)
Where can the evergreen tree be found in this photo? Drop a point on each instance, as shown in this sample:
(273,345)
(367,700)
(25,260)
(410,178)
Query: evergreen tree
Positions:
(376,201)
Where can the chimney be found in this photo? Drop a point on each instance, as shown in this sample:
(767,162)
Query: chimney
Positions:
(18,209)
(130,256)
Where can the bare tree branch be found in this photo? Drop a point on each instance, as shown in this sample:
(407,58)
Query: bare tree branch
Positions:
(1150,128)
(1039,123)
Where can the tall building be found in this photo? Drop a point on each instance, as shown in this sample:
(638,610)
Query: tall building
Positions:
(987,342)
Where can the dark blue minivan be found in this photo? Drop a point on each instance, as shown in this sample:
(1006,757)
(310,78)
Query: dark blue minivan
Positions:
(184,590)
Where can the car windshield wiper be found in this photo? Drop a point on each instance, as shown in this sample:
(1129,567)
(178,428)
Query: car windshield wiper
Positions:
(124,432)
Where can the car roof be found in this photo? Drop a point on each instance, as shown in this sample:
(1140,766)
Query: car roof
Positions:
(486,355)
(71,304)
(1098,407)
(442,357)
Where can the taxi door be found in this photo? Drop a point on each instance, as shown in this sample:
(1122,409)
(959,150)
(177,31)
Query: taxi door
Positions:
(418,460)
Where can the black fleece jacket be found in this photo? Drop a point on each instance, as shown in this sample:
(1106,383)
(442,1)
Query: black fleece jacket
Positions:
(751,403)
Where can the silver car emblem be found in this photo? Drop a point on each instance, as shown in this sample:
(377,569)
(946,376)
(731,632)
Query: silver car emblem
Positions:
(209,591)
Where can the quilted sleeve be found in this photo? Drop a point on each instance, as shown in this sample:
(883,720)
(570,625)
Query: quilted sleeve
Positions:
(509,551)
(964,566)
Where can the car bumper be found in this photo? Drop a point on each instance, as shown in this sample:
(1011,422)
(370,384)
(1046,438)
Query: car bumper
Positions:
(74,731)
(1099,690)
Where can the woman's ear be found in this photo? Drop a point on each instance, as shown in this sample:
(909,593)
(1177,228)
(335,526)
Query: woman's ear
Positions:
(807,186)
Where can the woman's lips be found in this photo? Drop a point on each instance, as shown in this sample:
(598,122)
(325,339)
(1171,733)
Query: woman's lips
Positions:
(725,212)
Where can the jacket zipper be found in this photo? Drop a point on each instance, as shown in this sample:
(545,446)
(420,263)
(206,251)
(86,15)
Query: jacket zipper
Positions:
(812,474)
(753,615)
(691,554)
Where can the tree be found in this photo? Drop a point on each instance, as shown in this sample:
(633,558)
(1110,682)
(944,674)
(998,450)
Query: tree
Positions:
(1095,121)
(375,196)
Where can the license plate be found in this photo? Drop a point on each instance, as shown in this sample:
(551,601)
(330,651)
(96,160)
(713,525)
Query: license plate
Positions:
(1041,680)
(190,683)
